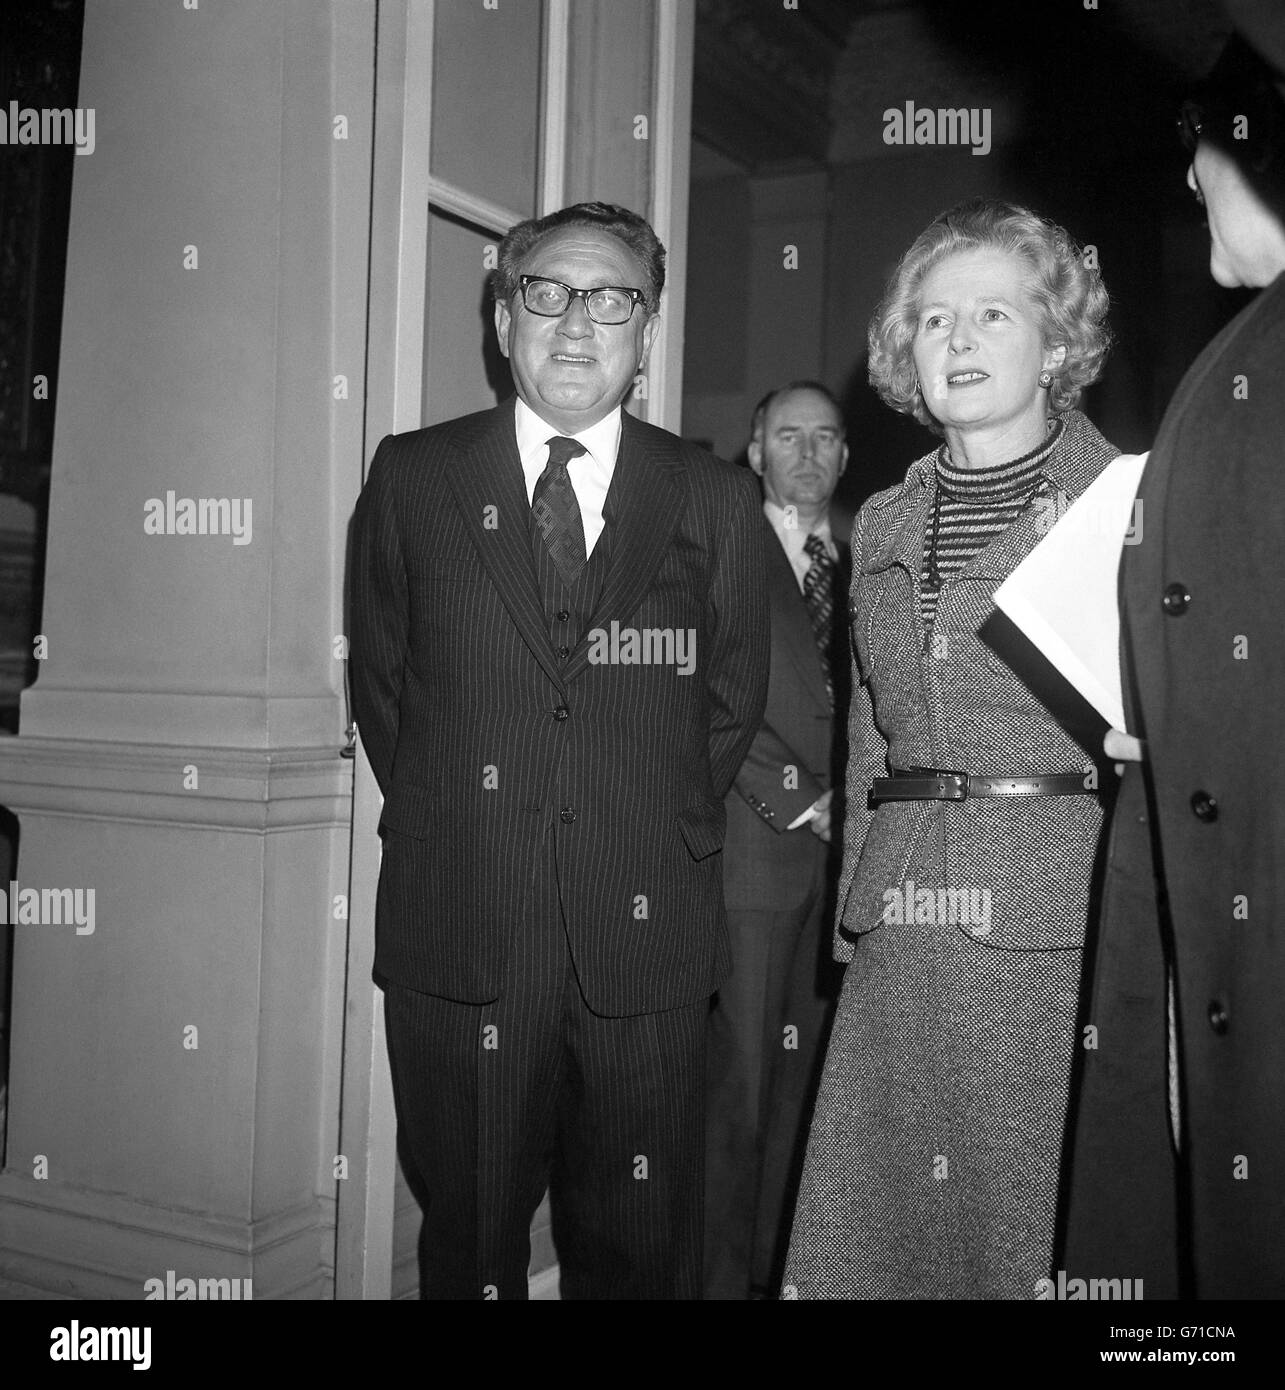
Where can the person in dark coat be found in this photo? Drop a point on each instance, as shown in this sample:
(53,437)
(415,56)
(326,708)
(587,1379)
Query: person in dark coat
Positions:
(769,1021)
(1178,1174)
(933,1161)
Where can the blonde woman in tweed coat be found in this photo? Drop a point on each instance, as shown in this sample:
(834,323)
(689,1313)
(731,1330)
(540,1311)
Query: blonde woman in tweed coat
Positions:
(933,1161)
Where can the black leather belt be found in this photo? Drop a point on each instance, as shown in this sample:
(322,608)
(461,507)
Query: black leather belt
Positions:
(935,784)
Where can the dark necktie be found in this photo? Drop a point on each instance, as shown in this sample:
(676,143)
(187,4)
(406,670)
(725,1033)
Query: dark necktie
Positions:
(818,594)
(556,511)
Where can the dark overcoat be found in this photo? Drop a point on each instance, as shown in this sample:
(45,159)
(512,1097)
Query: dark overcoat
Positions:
(1201,600)
(933,1161)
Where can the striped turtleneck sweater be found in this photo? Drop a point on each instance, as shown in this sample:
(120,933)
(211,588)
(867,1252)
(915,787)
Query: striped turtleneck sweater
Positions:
(972,506)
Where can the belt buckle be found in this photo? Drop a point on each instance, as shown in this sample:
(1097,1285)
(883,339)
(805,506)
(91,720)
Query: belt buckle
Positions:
(957,792)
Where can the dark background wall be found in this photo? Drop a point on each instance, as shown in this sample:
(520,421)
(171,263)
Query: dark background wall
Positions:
(1082,107)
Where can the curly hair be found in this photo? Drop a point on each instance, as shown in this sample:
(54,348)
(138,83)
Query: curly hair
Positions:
(1070,296)
(634,231)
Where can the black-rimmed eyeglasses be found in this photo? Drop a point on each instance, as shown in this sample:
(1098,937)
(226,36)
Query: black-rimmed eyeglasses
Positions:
(551,299)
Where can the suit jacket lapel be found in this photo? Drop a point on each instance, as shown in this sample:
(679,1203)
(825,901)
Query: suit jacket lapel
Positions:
(1065,478)
(1076,460)
(911,509)
(996,561)
(485,475)
(643,507)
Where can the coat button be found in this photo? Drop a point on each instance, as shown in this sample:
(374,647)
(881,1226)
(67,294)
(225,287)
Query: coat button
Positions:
(1218,1016)
(561,712)
(1204,806)
(563,615)
(1176,600)
(564,651)
(567,815)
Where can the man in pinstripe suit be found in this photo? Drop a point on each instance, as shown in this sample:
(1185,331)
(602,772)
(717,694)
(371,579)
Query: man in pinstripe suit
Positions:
(559,659)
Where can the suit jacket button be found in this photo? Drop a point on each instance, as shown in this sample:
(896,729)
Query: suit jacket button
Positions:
(561,712)
(1176,599)
(567,815)
(1204,806)
(563,615)
(564,652)
(1218,1020)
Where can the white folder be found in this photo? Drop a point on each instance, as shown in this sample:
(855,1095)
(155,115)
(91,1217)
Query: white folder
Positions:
(1065,596)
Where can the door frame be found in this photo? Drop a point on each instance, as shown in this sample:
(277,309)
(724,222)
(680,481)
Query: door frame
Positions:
(403,189)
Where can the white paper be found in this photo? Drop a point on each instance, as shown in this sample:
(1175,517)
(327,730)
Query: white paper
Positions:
(1065,596)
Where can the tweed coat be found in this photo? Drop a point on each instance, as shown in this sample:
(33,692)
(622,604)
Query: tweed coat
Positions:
(932,1165)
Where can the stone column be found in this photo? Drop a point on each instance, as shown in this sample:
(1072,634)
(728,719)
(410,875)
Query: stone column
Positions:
(175,1070)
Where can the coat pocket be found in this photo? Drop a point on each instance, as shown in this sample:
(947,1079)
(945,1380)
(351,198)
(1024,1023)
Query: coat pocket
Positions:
(410,809)
(703,827)
(898,834)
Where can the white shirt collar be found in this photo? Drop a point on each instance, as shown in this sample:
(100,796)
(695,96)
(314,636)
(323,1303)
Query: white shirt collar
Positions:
(793,537)
(602,440)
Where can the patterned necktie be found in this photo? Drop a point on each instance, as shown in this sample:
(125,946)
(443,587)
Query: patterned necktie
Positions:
(818,594)
(556,511)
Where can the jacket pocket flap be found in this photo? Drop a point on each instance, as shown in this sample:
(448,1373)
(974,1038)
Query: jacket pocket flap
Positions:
(409,809)
(703,828)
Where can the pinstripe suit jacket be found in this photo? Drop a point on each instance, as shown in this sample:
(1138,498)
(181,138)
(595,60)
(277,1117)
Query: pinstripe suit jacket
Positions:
(455,687)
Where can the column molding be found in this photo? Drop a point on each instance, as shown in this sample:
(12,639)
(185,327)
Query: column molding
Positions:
(242,789)
(212,719)
(109,1245)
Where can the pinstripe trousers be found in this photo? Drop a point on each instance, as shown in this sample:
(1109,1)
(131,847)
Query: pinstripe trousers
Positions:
(498,1101)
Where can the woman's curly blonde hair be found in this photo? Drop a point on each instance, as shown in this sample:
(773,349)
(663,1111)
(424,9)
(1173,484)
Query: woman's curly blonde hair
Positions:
(1071,298)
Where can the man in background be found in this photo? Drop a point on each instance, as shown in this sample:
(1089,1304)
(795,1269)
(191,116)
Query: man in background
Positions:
(769,1021)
